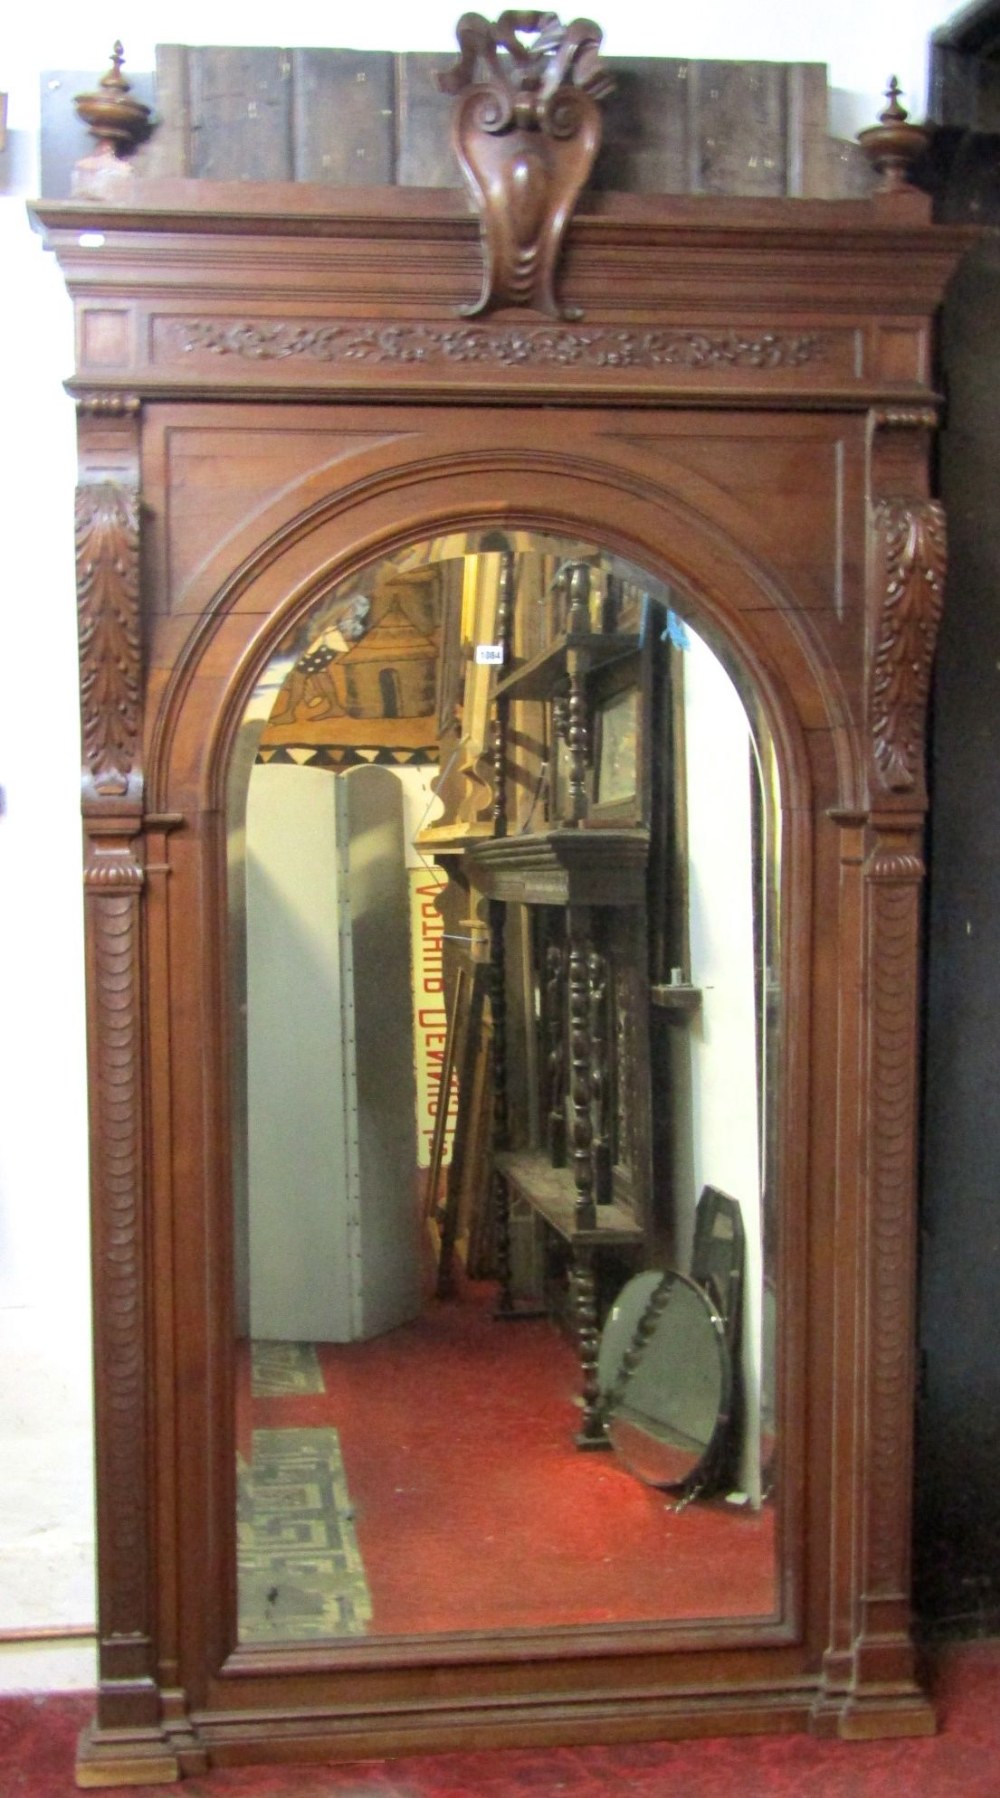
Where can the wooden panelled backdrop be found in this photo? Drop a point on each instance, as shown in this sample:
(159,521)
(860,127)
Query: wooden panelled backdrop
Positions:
(365,118)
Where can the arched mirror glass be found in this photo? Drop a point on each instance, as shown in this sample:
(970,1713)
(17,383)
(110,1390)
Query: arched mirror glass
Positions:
(505,966)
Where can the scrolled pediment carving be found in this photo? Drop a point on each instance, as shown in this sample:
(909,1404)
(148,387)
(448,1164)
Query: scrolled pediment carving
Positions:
(913,554)
(526,130)
(107,575)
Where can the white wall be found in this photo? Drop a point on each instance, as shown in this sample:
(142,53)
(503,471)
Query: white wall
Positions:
(722,1035)
(45,1511)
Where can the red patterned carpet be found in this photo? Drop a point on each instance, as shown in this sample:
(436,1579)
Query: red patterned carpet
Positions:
(37,1740)
(458,1440)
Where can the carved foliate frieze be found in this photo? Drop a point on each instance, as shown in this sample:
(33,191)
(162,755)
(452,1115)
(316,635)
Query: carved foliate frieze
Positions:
(526,129)
(912,557)
(499,346)
(107,573)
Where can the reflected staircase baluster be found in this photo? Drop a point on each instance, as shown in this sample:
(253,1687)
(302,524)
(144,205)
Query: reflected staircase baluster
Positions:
(579,1027)
(592,1432)
(555,1024)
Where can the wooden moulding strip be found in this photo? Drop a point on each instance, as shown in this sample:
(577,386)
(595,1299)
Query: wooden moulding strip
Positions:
(48,1632)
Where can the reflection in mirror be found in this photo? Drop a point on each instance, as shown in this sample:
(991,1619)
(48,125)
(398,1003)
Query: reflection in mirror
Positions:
(666,1375)
(505,949)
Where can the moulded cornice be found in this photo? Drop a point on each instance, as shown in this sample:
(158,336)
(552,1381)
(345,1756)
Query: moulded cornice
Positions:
(302,292)
(290,207)
(898,250)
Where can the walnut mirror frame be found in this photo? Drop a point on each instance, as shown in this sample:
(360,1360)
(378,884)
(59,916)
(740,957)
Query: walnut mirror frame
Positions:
(274,389)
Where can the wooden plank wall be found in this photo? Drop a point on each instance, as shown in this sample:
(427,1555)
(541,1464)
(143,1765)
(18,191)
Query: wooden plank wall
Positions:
(365,118)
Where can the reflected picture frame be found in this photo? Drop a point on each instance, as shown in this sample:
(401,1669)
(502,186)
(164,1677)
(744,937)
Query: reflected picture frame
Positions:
(617,784)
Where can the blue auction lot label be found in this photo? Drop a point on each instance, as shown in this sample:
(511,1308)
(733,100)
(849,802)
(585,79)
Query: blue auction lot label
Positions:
(490,653)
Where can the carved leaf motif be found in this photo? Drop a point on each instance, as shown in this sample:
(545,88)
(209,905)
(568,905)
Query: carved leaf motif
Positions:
(914,559)
(107,577)
(505,346)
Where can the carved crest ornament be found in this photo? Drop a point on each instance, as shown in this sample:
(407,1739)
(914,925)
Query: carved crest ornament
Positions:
(526,133)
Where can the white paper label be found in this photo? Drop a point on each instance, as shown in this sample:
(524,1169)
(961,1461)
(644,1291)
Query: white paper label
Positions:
(489,653)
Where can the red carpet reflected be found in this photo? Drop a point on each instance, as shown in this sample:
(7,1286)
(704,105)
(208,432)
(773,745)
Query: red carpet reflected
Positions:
(472,1506)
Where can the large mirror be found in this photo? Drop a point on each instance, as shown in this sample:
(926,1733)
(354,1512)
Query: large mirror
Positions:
(506,1001)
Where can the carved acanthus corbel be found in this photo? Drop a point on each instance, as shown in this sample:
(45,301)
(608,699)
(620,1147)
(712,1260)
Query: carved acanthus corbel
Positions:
(107,566)
(911,547)
(526,135)
(905,597)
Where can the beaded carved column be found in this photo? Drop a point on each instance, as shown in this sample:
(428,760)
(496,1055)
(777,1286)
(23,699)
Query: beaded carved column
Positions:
(600,1077)
(907,567)
(579,1058)
(107,558)
(592,1432)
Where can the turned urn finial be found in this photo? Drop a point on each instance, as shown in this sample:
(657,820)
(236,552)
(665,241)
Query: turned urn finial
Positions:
(895,144)
(110,113)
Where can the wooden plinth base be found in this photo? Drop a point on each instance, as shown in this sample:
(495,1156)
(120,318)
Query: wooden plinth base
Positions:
(127,1758)
(873,1719)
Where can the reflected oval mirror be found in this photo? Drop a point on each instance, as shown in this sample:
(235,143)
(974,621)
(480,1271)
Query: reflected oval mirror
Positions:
(666,1380)
(504,836)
